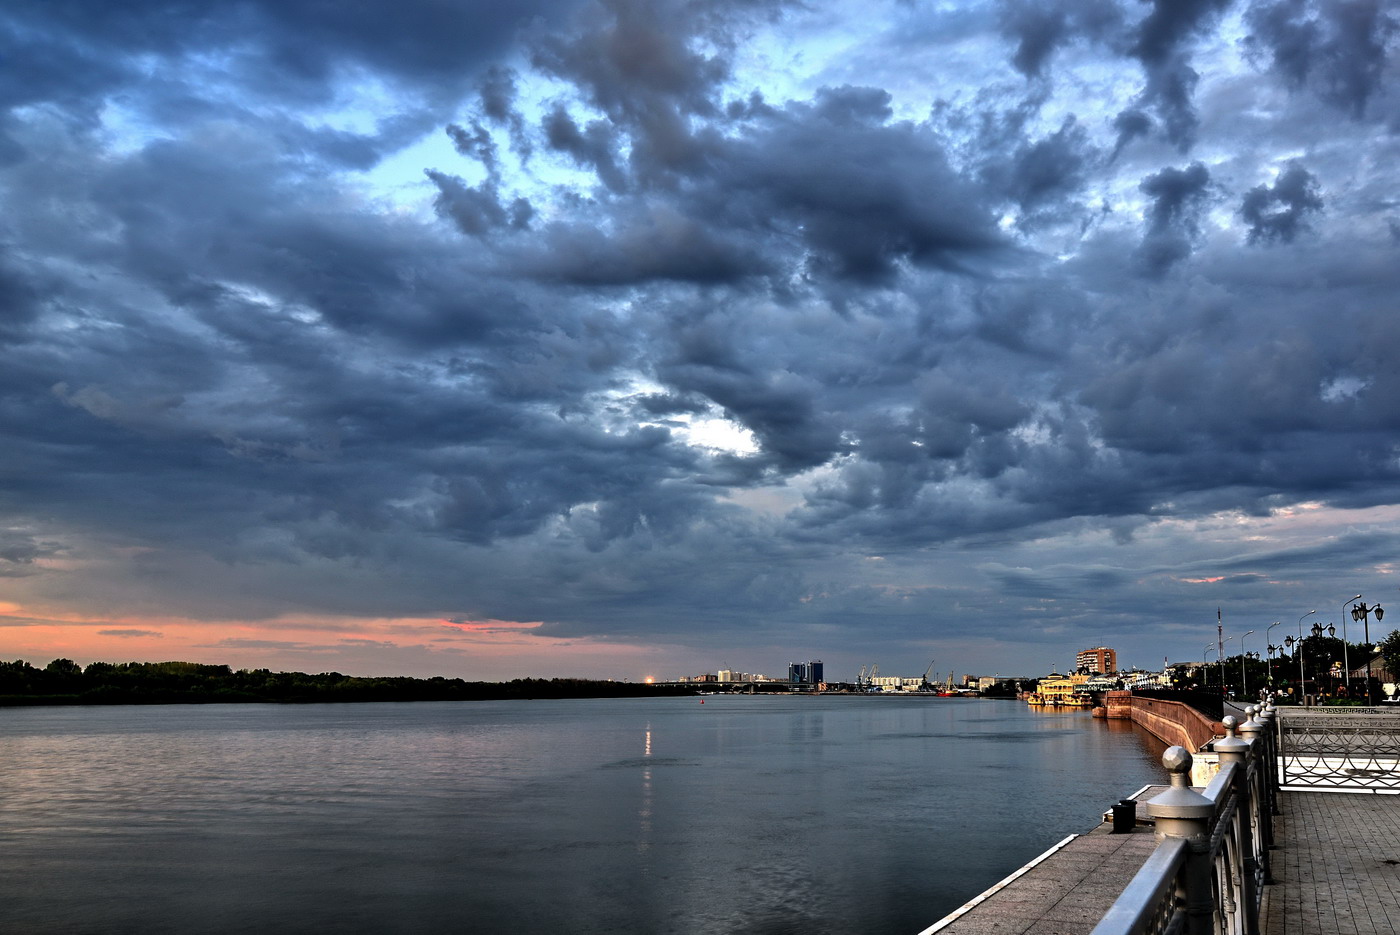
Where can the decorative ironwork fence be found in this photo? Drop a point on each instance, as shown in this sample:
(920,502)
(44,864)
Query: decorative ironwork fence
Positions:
(1355,749)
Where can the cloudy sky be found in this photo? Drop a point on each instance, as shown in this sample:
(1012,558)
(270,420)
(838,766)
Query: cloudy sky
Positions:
(627,338)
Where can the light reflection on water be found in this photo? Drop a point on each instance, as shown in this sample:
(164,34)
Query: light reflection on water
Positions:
(746,814)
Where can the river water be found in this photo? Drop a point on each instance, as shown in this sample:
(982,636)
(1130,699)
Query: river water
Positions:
(749,814)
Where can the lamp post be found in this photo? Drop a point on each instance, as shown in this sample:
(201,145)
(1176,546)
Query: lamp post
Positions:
(1331,630)
(1244,679)
(1204,670)
(1290,641)
(1220,658)
(1302,679)
(1346,663)
(1268,641)
(1363,613)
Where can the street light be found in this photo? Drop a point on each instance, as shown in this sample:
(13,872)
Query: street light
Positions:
(1244,679)
(1268,640)
(1363,613)
(1220,658)
(1289,641)
(1204,670)
(1346,663)
(1331,630)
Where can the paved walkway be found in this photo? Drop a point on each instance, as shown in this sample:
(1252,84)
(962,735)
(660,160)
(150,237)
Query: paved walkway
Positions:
(1065,893)
(1337,866)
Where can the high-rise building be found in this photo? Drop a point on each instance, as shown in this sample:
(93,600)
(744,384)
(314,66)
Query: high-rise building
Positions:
(1100,659)
(806,673)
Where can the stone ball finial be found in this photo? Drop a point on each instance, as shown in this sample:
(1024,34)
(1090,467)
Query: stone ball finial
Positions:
(1180,802)
(1230,722)
(1250,711)
(1178,760)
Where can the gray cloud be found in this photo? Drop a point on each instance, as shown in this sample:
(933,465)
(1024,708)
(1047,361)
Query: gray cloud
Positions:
(1337,47)
(1041,28)
(1278,212)
(664,349)
(1173,223)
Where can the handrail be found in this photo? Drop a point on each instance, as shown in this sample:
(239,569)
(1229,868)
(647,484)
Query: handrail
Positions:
(1140,908)
(1207,873)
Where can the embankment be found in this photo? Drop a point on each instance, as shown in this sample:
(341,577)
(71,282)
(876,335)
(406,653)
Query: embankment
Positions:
(1171,722)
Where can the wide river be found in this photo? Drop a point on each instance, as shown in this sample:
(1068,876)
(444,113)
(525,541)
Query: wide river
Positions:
(839,814)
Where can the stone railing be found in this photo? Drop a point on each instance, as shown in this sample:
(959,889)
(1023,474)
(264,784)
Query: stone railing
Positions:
(1212,858)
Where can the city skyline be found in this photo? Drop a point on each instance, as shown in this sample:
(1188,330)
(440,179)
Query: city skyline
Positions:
(603,339)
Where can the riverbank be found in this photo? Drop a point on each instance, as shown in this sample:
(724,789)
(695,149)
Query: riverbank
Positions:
(63,682)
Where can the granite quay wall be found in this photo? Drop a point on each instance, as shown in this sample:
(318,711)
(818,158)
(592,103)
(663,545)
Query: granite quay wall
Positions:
(1172,722)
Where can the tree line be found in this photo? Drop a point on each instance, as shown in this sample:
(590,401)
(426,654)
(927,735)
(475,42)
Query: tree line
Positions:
(63,681)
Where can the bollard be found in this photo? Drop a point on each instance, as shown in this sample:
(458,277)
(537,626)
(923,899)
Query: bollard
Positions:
(1182,812)
(1124,816)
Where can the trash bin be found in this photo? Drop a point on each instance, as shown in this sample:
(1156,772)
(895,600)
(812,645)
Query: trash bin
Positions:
(1124,816)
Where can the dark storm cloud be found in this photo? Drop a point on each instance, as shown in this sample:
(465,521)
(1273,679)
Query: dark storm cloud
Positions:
(1041,176)
(1170,23)
(184,62)
(793,176)
(593,148)
(1130,124)
(1337,47)
(1278,212)
(655,351)
(284,47)
(800,172)
(804,172)
(1039,28)
(1173,222)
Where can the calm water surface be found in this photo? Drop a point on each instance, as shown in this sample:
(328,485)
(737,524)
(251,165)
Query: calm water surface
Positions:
(742,814)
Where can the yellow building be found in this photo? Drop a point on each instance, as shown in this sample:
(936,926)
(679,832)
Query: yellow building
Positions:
(1063,690)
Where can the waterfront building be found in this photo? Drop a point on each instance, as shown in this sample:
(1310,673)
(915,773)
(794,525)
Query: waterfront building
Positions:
(1100,660)
(1070,690)
(806,673)
(898,683)
(1102,683)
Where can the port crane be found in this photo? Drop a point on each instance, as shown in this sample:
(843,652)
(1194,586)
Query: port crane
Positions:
(866,680)
(924,682)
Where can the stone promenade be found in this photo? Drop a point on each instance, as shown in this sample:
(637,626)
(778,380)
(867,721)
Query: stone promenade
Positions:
(1065,892)
(1337,866)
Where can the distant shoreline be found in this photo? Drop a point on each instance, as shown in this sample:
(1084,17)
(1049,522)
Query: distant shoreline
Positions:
(64,683)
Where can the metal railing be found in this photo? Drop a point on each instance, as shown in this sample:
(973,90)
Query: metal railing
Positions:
(1207,873)
(1353,749)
